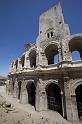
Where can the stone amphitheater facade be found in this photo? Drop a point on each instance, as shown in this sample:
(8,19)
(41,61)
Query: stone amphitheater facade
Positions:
(38,79)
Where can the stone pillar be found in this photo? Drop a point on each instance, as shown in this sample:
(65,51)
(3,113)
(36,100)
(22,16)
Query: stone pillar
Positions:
(15,89)
(41,98)
(60,54)
(10,67)
(65,49)
(68,99)
(7,87)
(37,58)
(64,113)
(27,62)
(19,64)
(10,87)
(14,67)
(63,106)
(42,58)
(23,94)
(75,110)
(70,53)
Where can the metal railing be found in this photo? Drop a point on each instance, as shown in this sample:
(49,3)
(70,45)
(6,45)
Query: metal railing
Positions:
(54,105)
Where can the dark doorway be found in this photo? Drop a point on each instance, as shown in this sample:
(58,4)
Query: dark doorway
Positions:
(32,58)
(31,93)
(79,100)
(54,98)
(19,89)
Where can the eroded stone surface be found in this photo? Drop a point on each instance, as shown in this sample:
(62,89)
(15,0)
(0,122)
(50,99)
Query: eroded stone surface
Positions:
(37,79)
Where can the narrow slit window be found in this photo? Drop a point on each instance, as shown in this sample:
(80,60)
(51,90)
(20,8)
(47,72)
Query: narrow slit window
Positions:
(51,34)
(48,35)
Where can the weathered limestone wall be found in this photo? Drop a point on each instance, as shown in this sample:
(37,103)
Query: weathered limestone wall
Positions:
(67,75)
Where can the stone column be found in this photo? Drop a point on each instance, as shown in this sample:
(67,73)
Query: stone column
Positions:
(70,53)
(64,113)
(63,106)
(41,99)
(68,99)
(7,87)
(27,62)
(37,58)
(75,110)
(60,53)
(10,67)
(65,49)
(14,67)
(23,94)
(10,87)
(19,64)
(15,89)
(42,60)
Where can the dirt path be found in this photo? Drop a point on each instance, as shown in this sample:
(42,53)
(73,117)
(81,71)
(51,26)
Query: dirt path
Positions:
(25,114)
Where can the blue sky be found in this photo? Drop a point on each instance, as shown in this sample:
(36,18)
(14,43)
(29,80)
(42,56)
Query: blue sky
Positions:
(19,20)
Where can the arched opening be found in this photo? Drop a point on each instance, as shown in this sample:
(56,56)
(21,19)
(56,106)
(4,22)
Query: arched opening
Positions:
(75,55)
(54,98)
(16,63)
(22,60)
(19,89)
(12,64)
(75,47)
(31,93)
(78,92)
(52,54)
(32,57)
(52,34)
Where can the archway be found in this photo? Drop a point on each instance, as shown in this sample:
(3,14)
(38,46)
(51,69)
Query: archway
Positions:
(54,98)
(75,47)
(76,55)
(51,53)
(19,89)
(31,93)
(78,92)
(23,60)
(32,57)
(16,63)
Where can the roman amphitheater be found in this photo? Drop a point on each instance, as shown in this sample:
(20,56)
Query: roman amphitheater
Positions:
(45,76)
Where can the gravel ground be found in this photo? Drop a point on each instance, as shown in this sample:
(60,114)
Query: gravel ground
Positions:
(12,112)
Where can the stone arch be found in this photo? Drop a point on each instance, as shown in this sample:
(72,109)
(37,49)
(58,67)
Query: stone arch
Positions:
(74,84)
(52,54)
(48,82)
(49,43)
(76,91)
(75,47)
(31,90)
(32,57)
(54,98)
